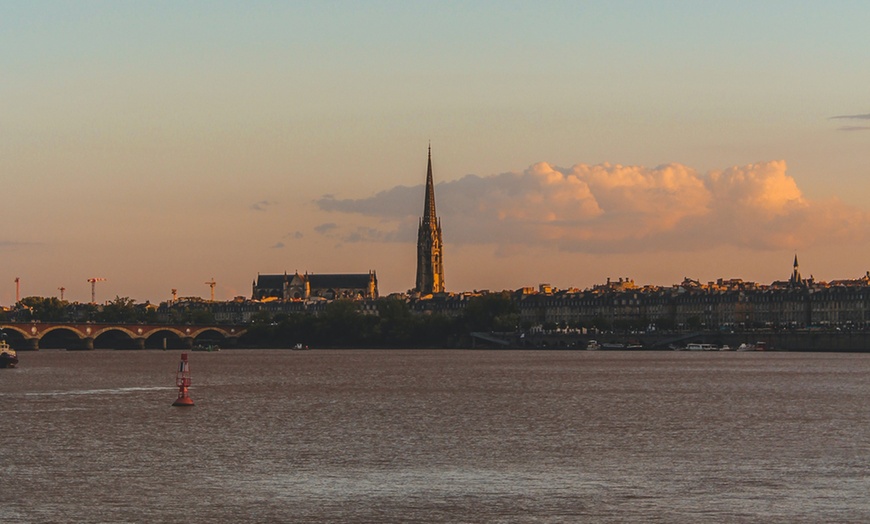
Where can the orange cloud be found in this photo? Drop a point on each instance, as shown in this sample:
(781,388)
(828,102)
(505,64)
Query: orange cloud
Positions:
(615,208)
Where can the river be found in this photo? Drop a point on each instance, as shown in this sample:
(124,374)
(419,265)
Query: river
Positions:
(436,436)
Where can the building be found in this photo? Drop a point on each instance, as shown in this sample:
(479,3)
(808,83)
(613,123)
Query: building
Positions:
(306,286)
(430,263)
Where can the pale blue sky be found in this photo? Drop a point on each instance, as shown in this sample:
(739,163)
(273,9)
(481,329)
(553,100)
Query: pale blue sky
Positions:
(159,144)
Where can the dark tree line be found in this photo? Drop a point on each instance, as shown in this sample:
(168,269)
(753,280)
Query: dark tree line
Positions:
(342,324)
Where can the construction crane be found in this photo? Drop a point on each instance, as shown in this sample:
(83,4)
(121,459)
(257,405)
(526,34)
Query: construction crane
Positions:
(211,283)
(17,290)
(61,289)
(174,295)
(93,281)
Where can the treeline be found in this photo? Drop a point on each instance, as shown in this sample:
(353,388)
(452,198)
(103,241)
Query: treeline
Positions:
(340,324)
(121,310)
(343,325)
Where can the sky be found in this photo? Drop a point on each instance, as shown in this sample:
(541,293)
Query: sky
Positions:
(161,144)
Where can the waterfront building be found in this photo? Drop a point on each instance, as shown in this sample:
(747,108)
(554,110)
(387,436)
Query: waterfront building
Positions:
(430,264)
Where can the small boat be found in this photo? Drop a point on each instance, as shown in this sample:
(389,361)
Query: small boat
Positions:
(8,356)
(210,347)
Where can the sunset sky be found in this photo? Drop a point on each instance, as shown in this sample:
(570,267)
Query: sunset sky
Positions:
(162,144)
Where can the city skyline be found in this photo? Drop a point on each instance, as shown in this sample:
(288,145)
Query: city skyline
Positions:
(159,146)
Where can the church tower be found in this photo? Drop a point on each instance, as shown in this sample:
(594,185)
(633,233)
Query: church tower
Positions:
(796,279)
(430,266)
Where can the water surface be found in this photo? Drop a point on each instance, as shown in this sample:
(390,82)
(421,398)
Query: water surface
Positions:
(436,436)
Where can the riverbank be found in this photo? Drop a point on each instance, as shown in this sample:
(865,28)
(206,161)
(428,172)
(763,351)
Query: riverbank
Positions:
(836,341)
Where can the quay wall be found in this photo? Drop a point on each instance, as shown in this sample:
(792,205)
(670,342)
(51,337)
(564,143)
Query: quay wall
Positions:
(842,341)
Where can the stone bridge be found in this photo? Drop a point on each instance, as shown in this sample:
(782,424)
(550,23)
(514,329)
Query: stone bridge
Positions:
(139,336)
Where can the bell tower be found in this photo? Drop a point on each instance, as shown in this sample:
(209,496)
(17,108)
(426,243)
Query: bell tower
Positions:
(430,265)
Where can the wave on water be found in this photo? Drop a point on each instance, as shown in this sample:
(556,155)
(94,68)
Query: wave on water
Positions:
(108,391)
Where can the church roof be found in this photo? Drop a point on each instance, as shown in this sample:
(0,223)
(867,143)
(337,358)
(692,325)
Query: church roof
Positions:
(340,281)
(271,281)
(318,281)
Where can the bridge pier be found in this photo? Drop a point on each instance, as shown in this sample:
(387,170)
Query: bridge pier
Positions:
(89,342)
(140,343)
(188,342)
(32,344)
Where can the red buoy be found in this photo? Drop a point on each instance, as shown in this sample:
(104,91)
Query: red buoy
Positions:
(182,380)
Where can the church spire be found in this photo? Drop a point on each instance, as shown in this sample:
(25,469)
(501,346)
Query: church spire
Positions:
(429,203)
(796,279)
(430,266)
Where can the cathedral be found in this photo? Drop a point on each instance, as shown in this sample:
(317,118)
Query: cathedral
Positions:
(430,265)
(307,286)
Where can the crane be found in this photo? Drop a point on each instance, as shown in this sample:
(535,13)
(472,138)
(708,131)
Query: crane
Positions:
(211,283)
(17,290)
(93,281)
(61,289)
(174,295)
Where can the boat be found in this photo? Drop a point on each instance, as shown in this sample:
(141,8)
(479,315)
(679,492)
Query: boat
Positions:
(700,347)
(758,346)
(210,347)
(8,356)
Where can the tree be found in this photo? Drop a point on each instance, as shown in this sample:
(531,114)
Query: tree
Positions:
(49,309)
(120,310)
(342,324)
(491,312)
(396,323)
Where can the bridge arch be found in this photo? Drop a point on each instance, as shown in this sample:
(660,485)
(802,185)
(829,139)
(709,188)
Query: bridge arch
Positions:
(210,335)
(61,337)
(15,329)
(174,339)
(114,337)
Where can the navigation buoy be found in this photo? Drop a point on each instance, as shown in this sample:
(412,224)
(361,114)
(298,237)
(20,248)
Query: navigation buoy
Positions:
(182,380)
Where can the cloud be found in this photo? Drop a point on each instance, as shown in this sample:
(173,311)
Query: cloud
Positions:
(610,208)
(865,116)
(262,205)
(403,202)
(854,128)
(323,229)
(278,245)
